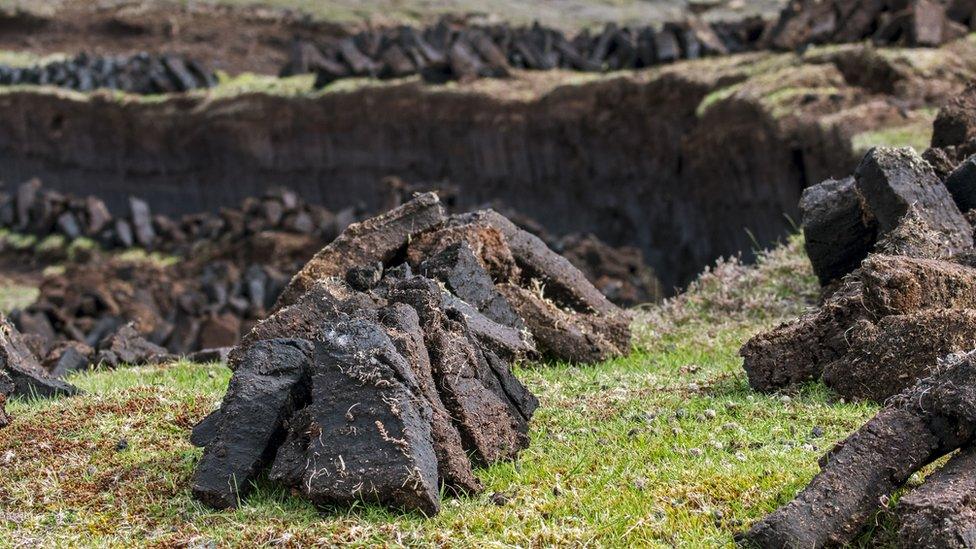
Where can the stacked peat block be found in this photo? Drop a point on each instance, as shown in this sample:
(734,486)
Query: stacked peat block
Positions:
(21,374)
(912,23)
(897,325)
(384,374)
(142,73)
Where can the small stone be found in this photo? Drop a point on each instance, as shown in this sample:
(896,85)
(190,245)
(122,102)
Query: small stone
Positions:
(710,414)
(122,445)
(695,452)
(817,432)
(500,498)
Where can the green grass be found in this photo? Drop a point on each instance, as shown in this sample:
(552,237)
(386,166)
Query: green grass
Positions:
(666,447)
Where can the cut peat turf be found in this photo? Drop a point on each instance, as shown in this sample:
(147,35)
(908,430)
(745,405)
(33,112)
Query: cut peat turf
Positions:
(667,446)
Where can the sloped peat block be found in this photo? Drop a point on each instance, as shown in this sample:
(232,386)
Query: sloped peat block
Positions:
(896,325)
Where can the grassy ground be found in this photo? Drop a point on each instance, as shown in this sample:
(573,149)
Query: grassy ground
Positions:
(667,447)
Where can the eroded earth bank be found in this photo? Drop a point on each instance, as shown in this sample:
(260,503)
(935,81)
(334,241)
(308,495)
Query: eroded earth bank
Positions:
(688,162)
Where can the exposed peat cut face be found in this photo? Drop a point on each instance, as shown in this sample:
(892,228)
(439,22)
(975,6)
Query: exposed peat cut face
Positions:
(685,163)
(897,321)
(384,374)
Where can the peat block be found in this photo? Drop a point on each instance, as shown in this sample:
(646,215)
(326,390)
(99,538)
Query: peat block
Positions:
(940,514)
(892,180)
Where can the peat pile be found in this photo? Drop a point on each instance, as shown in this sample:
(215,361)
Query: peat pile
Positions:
(111,311)
(457,50)
(384,374)
(142,73)
(20,372)
(894,251)
(927,421)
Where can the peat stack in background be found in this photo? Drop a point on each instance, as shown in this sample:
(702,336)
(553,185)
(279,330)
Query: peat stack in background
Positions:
(620,273)
(457,50)
(277,219)
(909,300)
(384,375)
(915,23)
(142,73)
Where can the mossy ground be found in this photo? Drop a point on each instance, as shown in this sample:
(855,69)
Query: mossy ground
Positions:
(666,447)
